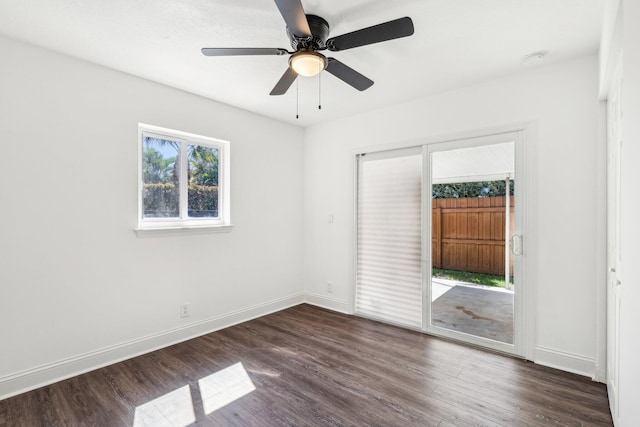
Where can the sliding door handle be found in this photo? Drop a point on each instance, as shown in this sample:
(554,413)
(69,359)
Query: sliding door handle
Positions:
(516,244)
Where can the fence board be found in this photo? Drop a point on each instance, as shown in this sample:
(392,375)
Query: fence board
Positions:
(473,231)
(468,234)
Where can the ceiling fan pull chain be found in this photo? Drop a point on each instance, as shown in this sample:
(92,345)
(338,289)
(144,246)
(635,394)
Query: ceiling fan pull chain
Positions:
(297,98)
(319,87)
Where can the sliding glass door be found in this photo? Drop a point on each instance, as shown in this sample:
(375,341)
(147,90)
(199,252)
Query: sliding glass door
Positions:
(439,239)
(475,218)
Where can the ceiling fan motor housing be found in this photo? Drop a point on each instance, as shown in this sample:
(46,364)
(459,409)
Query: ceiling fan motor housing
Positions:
(319,34)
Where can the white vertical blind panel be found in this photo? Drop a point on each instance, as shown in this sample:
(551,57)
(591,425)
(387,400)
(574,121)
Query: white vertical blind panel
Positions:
(389,269)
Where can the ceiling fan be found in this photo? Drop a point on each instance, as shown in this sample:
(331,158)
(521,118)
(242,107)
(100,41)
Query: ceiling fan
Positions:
(309,36)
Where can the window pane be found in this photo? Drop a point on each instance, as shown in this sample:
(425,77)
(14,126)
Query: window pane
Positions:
(203,181)
(161,173)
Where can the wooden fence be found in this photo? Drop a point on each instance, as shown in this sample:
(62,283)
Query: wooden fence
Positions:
(469,234)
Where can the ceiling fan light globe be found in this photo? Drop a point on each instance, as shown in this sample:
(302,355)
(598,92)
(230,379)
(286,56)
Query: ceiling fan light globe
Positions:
(308,64)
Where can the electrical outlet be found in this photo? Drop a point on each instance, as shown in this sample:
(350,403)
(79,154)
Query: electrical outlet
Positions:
(330,287)
(184,310)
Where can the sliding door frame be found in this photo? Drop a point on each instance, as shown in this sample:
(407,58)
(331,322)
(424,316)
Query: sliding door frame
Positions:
(525,190)
(517,348)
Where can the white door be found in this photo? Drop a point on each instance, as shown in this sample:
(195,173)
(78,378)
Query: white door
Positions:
(614,135)
(473,215)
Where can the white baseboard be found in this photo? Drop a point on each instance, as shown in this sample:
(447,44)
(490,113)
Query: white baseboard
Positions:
(601,373)
(564,361)
(613,403)
(334,304)
(40,376)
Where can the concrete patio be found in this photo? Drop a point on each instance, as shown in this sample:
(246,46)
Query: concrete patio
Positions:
(483,311)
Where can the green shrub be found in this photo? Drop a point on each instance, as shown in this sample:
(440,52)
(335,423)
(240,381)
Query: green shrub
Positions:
(203,200)
(471,189)
(162,200)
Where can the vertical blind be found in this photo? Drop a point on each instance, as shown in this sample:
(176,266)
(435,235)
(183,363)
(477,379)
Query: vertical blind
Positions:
(389,250)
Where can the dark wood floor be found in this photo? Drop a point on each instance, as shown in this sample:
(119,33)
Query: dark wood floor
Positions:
(314,367)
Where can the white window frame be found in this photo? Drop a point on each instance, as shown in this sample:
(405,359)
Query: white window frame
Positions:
(184,223)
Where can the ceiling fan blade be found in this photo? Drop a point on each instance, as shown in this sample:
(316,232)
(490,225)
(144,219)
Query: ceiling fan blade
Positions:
(348,75)
(285,82)
(294,16)
(396,29)
(231,51)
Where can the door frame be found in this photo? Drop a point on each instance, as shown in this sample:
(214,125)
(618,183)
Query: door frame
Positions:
(614,262)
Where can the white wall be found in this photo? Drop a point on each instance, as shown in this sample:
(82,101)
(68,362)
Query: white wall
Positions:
(75,281)
(562,265)
(629,389)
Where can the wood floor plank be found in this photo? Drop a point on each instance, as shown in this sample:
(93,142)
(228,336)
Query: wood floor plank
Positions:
(518,402)
(576,388)
(4,413)
(346,393)
(583,407)
(493,410)
(309,366)
(398,387)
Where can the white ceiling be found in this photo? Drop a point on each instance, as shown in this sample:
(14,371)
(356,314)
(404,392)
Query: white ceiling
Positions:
(456,43)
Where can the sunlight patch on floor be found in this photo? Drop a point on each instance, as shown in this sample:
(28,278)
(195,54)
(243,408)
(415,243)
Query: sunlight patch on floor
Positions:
(176,409)
(171,410)
(225,386)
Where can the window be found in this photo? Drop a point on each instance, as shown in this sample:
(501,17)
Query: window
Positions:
(183,180)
